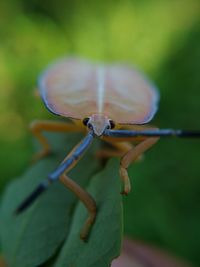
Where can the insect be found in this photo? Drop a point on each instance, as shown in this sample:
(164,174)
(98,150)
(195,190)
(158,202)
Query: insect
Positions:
(111,102)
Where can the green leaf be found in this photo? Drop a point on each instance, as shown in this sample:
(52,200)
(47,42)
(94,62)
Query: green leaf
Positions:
(105,240)
(49,228)
(32,237)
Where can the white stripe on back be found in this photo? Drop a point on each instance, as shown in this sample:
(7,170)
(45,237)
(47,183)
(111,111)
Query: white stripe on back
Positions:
(100,87)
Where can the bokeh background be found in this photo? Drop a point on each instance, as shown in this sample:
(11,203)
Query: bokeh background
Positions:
(160,37)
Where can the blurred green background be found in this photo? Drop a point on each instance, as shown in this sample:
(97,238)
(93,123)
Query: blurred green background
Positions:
(160,37)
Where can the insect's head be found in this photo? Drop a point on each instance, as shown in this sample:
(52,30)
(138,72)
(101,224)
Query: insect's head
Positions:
(98,123)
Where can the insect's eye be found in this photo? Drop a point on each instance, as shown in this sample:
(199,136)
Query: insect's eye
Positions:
(85,121)
(112,124)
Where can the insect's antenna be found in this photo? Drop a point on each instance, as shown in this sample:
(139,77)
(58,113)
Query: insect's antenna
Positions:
(153,133)
(32,197)
(70,161)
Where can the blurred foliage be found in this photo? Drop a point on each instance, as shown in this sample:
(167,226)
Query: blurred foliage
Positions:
(163,39)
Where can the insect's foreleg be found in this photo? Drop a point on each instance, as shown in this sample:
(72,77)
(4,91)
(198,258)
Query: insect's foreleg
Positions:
(87,200)
(37,127)
(132,156)
(64,167)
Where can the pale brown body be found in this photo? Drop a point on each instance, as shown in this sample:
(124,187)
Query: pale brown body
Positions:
(97,98)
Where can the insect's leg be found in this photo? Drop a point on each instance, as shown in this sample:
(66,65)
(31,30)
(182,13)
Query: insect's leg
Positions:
(69,162)
(130,157)
(87,200)
(119,144)
(36,93)
(118,149)
(37,127)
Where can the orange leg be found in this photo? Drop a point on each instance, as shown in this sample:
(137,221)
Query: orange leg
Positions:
(134,153)
(87,200)
(130,157)
(37,127)
(83,196)
(68,163)
(36,93)
(118,149)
